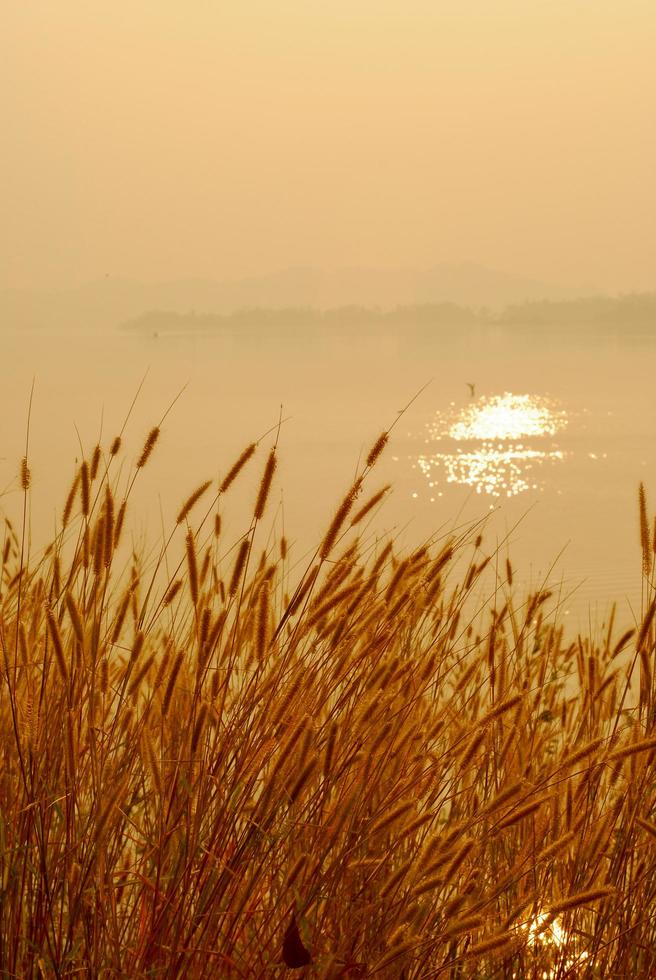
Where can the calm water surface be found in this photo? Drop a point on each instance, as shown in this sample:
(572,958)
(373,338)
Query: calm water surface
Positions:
(549,444)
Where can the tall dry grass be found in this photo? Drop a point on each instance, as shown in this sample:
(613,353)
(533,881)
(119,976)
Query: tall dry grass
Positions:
(209,772)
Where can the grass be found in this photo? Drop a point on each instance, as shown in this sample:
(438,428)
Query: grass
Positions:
(220,762)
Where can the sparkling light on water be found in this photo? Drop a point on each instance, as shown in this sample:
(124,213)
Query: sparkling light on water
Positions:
(486,444)
(547,934)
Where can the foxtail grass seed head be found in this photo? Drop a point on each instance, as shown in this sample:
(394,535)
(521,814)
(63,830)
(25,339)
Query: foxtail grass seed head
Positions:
(643,635)
(191,501)
(633,748)
(645,542)
(237,467)
(192,566)
(115,447)
(394,814)
(172,681)
(265,485)
(338,520)
(57,644)
(118,527)
(377,449)
(199,727)
(369,506)
(392,956)
(581,899)
(70,500)
(303,778)
(104,675)
(120,616)
(85,488)
(521,813)
(99,546)
(140,675)
(495,943)
(647,825)
(95,463)
(262,621)
(25,474)
(149,445)
(238,567)
(75,617)
(172,592)
(109,528)
(467,924)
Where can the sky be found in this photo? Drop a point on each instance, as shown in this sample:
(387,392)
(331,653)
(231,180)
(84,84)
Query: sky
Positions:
(156,139)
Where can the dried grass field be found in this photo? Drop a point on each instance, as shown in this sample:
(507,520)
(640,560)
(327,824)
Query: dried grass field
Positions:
(221,759)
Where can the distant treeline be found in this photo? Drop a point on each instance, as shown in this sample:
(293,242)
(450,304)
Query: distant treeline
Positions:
(634,312)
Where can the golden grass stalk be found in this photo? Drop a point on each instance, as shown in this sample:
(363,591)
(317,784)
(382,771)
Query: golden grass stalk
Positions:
(360,515)
(75,617)
(170,685)
(338,520)
(407,772)
(57,644)
(85,488)
(458,859)
(199,727)
(645,543)
(70,500)
(643,635)
(265,485)
(395,879)
(192,566)
(377,449)
(393,815)
(505,795)
(498,943)
(172,592)
(239,565)
(521,813)
(467,924)
(191,501)
(237,467)
(297,869)
(303,778)
(589,748)
(581,898)
(400,949)
(633,748)
(149,445)
(501,708)
(647,825)
(556,847)
(25,476)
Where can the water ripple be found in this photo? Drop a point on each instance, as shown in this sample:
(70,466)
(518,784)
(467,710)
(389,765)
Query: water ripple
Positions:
(495,444)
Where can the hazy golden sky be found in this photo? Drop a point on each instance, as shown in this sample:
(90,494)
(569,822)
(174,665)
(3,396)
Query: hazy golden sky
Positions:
(222,138)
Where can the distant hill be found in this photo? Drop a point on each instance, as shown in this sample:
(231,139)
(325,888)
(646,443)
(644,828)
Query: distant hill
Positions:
(112,300)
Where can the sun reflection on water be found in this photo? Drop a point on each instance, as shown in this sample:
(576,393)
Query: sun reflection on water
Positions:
(486,445)
(545,933)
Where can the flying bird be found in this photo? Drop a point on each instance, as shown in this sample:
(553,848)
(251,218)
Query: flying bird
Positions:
(472,388)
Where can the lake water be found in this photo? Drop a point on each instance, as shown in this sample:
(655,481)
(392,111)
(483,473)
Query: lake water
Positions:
(550,445)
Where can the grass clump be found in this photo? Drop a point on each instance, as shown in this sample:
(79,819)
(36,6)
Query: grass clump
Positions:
(207,772)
